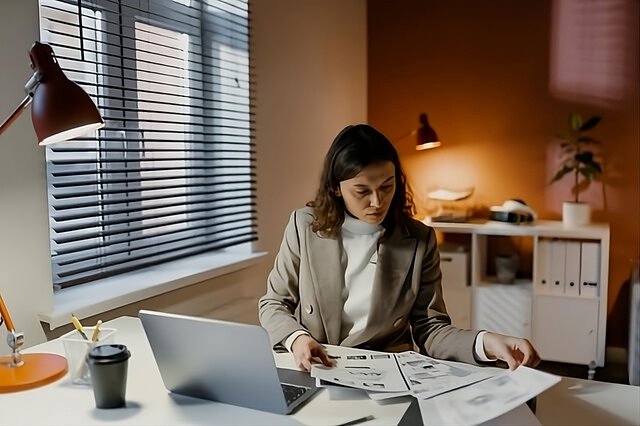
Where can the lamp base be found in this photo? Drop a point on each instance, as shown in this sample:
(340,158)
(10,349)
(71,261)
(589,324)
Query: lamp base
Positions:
(37,370)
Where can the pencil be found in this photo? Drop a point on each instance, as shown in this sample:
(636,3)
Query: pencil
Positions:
(78,326)
(357,421)
(96,331)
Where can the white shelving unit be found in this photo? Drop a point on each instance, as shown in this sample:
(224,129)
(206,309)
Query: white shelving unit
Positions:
(559,298)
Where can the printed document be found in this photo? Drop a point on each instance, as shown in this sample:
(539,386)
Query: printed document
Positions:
(486,400)
(387,375)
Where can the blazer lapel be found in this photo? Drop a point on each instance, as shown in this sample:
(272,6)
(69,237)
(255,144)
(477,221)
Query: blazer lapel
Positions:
(327,272)
(395,256)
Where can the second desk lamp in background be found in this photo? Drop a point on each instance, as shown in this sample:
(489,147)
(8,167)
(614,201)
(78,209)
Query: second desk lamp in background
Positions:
(60,111)
(426,137)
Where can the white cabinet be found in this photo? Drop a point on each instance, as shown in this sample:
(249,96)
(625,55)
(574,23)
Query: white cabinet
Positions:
(566,329)
(558,299)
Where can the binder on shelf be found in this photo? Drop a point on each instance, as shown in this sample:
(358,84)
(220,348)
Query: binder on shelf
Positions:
(558,256)
(590,270)
(572,268)
(543,262)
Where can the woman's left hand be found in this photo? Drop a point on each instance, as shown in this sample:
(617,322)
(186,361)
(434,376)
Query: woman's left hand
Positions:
(512,350)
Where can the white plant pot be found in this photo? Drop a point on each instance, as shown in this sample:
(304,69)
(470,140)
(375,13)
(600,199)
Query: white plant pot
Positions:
(575,214)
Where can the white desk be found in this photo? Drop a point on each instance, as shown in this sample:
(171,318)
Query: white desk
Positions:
(589,402)
(148,402)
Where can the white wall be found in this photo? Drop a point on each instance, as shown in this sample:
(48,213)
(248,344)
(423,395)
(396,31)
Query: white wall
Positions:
(310,59)
(310,64)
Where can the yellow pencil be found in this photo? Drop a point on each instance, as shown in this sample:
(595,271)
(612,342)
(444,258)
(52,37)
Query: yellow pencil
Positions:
(78,326)
(96,331)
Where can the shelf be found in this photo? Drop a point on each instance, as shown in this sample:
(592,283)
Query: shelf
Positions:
(563,295)
(541,228)
(493,282)
(571,327)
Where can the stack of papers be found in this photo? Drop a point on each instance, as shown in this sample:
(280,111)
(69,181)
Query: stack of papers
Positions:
(448,392)
(386,375)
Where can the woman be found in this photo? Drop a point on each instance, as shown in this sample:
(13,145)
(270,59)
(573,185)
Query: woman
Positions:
(363,273)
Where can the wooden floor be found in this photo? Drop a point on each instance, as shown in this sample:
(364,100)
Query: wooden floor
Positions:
(245,310)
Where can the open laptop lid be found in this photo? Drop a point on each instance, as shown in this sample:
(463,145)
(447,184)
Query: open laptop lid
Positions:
(216,360)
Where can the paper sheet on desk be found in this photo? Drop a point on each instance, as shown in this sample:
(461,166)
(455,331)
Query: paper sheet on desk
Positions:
(388,375)
(369,371)
(486,400)
(428,377)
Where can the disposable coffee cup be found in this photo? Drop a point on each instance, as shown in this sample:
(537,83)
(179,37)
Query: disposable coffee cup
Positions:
(108,369)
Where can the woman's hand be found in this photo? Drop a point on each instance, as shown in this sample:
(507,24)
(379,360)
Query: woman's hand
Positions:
(512,350)
(306,350)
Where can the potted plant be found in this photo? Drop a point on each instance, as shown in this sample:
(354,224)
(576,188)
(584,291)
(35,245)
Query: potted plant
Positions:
(580,162)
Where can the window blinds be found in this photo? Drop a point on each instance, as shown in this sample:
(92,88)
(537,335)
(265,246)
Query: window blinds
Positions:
(172,174)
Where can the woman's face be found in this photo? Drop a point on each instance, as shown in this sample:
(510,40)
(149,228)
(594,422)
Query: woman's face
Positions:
(367,196)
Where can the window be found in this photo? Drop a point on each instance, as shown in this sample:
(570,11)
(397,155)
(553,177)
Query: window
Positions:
(172,173)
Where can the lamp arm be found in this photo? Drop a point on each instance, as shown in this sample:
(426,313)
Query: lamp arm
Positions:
(19,110)
(14,340)
(407,135)
(4,313)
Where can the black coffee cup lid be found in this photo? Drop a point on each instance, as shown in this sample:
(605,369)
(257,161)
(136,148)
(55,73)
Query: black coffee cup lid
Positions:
(109,353)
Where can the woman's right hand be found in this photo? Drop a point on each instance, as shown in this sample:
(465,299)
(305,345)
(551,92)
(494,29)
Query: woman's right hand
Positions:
(307,350)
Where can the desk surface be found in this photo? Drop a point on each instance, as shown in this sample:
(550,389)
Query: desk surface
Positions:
(148,401)
(572,401)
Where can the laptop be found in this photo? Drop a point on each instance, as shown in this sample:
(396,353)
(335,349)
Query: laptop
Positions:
(223,361)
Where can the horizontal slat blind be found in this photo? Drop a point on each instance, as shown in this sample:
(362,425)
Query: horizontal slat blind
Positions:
(172,174)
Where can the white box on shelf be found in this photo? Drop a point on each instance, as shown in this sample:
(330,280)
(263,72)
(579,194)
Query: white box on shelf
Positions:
(454,264)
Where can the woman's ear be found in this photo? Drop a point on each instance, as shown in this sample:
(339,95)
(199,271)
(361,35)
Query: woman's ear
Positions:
(337,192)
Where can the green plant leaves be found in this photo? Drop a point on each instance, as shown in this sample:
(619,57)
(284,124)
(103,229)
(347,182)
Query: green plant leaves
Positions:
(584,157)
(589,124)
(575,121)
(560,173)
(577,160)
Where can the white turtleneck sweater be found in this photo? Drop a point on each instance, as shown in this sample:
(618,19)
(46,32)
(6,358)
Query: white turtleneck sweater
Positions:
(360,245)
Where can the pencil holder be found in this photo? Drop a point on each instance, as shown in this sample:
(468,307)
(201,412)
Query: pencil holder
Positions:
(76,349)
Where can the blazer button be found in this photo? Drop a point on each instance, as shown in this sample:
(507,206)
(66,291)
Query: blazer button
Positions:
(398,322)
(308,308)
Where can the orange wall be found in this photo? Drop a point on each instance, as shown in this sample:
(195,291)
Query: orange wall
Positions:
(481,71)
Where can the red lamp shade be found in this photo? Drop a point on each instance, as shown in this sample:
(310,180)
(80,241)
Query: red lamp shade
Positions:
(60,110)
(426,137)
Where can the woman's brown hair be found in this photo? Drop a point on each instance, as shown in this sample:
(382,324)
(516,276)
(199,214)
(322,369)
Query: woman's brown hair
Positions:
(353,149)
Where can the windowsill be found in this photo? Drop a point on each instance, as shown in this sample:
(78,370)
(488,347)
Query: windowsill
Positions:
(100,296)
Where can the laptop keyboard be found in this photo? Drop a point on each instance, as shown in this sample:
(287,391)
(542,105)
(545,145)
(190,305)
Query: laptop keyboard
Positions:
(292,393)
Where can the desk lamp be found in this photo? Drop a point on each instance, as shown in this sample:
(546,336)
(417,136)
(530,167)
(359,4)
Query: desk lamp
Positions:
(61,111)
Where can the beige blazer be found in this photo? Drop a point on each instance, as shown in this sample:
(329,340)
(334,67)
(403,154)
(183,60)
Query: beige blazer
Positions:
(305,292)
